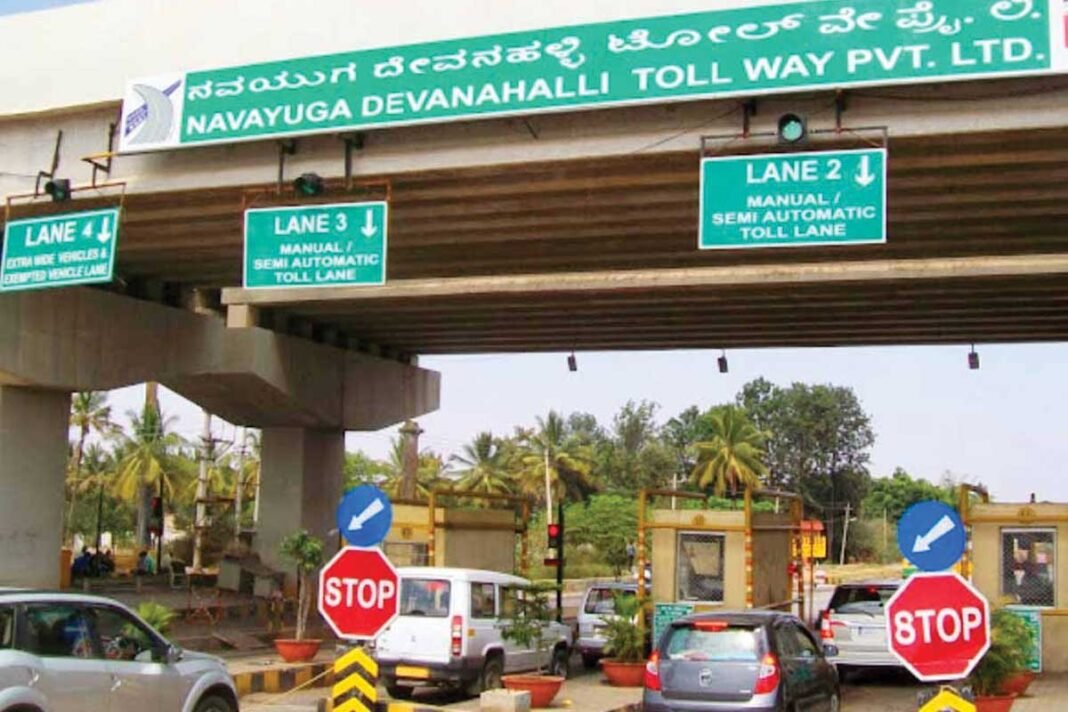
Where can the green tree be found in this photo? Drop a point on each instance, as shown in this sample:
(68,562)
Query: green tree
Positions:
(553,462)
(818,444)
(483,467)
(733,456)
(891,496)
(89,414)
(680,436)
(151,457)
(635,456)
(429,473)
(608,522)
(362,469)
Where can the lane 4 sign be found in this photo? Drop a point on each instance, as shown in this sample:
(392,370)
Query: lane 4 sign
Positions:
(938,626)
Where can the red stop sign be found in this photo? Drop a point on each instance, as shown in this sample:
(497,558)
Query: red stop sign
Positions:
(938,626)
(358,592)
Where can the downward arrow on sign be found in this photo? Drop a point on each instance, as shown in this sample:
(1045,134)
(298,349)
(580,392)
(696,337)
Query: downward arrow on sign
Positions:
(105,231)
(865,177)
(369,228)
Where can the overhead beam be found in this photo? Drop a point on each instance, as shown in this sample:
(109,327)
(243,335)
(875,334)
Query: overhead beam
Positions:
(666,279)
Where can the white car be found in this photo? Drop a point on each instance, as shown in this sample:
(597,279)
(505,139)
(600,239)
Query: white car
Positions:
(449,633)
(74,653)
(855,624)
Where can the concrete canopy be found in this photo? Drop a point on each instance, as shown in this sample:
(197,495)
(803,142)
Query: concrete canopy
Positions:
(88,339)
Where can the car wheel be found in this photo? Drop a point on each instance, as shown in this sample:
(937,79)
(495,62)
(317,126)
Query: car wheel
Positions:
(560,665)
(492,672)
(590,662)
(835,703)
(214,703)
(400,692)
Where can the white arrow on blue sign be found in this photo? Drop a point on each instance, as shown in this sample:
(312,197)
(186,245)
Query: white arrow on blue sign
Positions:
(931,535)
(365,516)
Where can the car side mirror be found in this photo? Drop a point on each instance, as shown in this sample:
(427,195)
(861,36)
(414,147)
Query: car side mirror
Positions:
(830,651)
(172,655)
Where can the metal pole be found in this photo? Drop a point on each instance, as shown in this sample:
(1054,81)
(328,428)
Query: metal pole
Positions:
(162,523)
(560,569)
(99,514)
(548,491)
(845,534)
(200,522)
(748,548)
(240,484)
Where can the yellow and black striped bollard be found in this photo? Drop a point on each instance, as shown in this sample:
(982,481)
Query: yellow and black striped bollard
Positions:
(355,682)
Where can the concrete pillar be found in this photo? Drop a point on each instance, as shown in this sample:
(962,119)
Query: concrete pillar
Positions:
(300,487)
(33,466)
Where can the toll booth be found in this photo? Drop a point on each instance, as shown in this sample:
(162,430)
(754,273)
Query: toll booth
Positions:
(704,559)
(1014,561)
(447,531)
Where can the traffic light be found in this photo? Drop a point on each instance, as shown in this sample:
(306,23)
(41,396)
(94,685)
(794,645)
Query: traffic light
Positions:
(59,189)
(556,536)
(792,129)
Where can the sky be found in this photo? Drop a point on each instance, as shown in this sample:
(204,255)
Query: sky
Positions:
(1005,425)
(12,7)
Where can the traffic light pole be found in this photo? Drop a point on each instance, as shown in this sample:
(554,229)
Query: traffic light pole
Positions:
(560,565)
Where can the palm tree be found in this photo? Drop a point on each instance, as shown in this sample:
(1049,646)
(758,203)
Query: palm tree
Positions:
(483,466)
(734,454)
(89,413)
(149,460)
(552,461)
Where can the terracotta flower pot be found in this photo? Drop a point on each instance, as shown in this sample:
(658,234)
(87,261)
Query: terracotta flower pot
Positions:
(624,674)
(1017,683)
(297,651)
(542,688)
(994,703)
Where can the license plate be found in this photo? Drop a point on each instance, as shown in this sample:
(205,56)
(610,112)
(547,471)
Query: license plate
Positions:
(417,673)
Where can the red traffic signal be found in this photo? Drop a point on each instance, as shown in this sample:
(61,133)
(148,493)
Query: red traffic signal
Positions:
(555,536)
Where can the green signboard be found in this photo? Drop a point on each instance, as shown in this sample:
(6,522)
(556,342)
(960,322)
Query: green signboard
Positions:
(783,47)
(316,245)
(793,199)
(59,250)
(1033,618)
(664,614)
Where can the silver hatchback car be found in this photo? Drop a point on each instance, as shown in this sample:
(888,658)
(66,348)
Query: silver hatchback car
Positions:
(74,653)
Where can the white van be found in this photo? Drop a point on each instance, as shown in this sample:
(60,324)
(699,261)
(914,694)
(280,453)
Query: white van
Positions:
(448,633)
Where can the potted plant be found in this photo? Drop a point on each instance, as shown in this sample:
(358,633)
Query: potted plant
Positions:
(306,551)
(625,643)
(1010,643)
(528,629)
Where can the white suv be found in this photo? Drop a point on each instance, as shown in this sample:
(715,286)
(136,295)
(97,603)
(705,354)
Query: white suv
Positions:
(73,653)
(449,633)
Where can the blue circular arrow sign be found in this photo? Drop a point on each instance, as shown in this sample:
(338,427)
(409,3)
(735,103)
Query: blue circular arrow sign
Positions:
(365,516)
(931,536)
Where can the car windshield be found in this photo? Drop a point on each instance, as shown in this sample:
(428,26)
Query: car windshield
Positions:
(869,600)
(603,600)
(425,597)
(713,641)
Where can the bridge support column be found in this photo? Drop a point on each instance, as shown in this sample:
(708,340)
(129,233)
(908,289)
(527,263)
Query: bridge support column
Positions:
(299,488)
(33,466)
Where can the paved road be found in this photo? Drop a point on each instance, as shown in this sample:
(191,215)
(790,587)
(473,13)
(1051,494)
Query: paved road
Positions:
(867,692)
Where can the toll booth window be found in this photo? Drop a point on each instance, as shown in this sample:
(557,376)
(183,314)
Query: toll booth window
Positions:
(483,600)
(425,597)
(699,572)
(1028,571)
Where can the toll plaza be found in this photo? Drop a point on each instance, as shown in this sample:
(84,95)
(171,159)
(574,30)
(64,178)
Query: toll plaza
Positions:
(280,246)
(1016,550)
(703,559)
(441,532)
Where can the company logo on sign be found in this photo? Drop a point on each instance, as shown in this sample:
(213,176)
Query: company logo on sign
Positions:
(151,112)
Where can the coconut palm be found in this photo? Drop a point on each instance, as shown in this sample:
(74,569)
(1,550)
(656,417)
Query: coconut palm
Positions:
(150,459)
(482,466)
(552,462)
(733,456)
(89,413)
